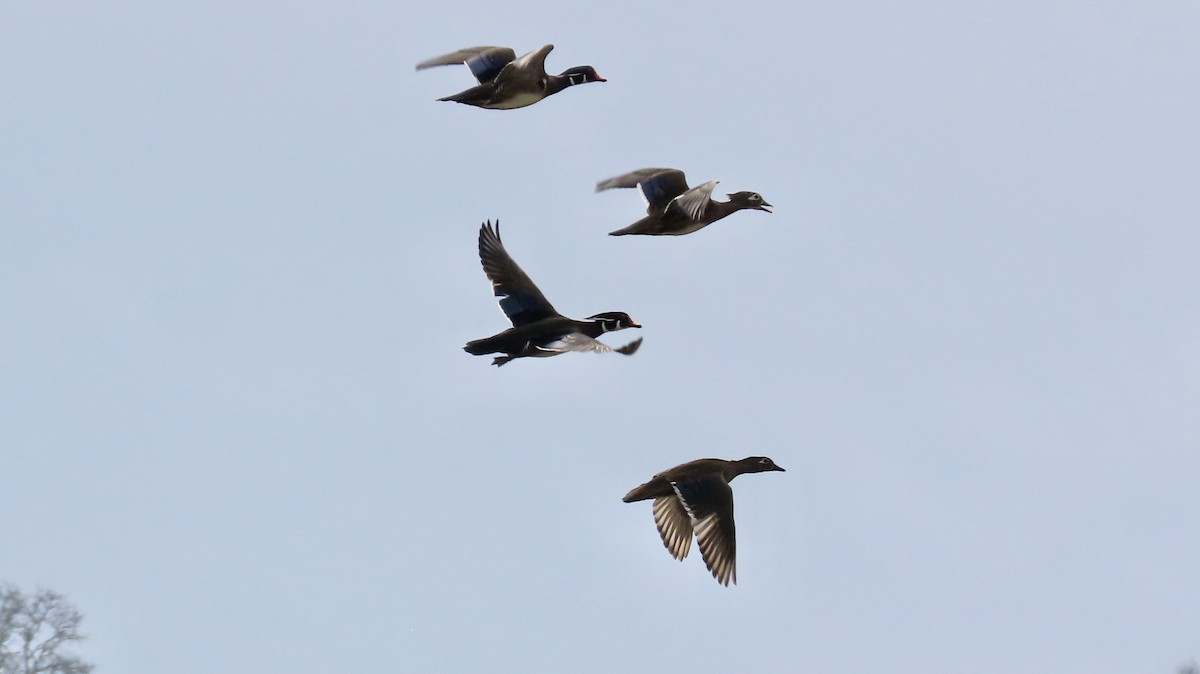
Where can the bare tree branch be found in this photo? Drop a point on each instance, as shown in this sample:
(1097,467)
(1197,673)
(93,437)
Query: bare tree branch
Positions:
(33,630)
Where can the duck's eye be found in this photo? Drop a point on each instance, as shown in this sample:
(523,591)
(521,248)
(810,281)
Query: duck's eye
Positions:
(755,197)
(764,461)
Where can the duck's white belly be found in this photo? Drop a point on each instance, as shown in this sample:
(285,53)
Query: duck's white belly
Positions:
(519,101)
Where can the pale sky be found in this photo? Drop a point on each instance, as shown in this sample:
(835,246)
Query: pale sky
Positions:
(238,265)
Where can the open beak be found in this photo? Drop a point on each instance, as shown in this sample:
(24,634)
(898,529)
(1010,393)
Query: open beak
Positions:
(764,206)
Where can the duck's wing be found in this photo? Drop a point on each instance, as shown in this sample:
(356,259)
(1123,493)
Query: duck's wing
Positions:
(531,64)
(630,348)
(659,186)
(631,179)
(520,299)
(674,525)
(577,341)
(485,62)
(694,202)
(709,504)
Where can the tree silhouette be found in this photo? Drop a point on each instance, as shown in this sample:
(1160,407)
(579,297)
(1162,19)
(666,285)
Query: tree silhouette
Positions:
(34,629)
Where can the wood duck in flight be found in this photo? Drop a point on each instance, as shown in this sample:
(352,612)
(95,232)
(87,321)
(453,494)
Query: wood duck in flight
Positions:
(507,82)
(538,329)
(695,497)
(674,209)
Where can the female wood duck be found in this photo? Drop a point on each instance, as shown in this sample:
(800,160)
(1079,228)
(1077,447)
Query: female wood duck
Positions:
(695,496)
(507,82)
(538,330)
(672,209)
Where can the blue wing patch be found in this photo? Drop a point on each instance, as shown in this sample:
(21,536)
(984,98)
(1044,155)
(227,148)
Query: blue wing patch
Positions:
(486,65)
(660,188)
(515,306)
(697,495)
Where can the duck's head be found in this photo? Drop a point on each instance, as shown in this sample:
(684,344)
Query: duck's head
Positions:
(614,320)
(750,200)
(581,75)
(758,464)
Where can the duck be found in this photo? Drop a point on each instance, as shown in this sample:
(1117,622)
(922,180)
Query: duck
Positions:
(538,330)
(695,497)
(507,82)
(674,209)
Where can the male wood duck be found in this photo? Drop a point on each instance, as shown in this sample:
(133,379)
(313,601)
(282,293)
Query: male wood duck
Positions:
(538,330)
(695,497)
(507,82)
(672,209)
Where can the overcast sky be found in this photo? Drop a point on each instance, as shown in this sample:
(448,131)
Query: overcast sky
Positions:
(238,264)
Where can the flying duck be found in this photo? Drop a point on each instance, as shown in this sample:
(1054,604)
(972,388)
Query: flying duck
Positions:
(507,82)
(695,497)
(538,330)
(672,209)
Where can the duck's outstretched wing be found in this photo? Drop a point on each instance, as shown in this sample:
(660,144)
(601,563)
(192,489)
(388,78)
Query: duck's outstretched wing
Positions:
(674,525)
(709,504)
(577,341)
(520,299)
(485,62)
(532,64)
(694,202)
(659,186)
